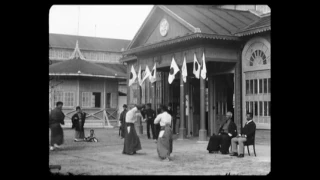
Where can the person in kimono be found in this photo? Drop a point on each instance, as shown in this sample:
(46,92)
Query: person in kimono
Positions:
(56,118)
(92,137)
(222,141)
(123,121)
(131,139)
(78,120)
(164,144)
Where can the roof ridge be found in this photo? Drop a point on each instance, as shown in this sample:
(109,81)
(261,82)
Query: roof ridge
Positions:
(88,36)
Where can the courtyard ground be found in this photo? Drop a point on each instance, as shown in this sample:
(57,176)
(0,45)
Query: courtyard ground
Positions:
(189,157)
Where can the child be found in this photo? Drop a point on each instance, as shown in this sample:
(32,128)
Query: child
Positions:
(91,138)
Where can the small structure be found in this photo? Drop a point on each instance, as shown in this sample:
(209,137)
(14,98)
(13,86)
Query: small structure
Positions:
(93,86)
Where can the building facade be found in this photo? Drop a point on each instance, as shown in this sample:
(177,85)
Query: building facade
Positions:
(86,72)
(235,45)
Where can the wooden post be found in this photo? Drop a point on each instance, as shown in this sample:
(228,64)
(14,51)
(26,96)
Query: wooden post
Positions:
(215,108)
(182,130)
(211,105)
(202,131)
(104,100)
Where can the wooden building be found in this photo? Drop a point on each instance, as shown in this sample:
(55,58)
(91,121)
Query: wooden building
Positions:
(236,47)
(91,78)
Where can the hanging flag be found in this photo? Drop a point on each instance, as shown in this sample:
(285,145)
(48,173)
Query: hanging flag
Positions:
(147,73)
(133,76)
(153,75)
(204,68)
(139,76)
(173,70)
(184,70)
(196,67)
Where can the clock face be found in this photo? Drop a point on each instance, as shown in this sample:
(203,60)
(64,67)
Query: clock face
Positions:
(164,27)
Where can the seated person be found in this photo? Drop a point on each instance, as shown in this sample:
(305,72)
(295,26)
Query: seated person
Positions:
(222,141)
(246,135)
(92,137)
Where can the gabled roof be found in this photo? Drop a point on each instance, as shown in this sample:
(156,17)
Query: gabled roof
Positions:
(88,43)
(260,25)
(206,20)
(212,20)
(79,67)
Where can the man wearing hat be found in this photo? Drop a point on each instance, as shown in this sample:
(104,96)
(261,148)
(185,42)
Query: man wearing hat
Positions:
(246,135)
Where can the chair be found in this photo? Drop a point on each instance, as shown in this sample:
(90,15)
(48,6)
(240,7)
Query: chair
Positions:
(251,143)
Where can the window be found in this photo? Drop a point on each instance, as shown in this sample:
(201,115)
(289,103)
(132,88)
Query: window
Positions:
(247,106)
(265,108)
(251,86)
(255,108)
(269,85)
(86,99)
(67,98)
(269,108)
(247,86)
(91,99)
(265,82)
(58,96)
(251,106)
(260,86)
(255,86)
(260,108)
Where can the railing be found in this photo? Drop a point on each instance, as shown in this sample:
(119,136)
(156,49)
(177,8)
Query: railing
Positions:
(108,115)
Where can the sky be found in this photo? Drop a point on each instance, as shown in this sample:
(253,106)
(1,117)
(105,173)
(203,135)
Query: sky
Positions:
(106,21)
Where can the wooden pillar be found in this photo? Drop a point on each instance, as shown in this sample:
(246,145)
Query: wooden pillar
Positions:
(139,120)
(215,108)
(238,100)
(190,125)
(182,130)
(211,105)
(104,100)
(202,131)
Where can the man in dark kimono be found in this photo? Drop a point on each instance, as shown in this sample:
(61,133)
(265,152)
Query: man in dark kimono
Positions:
(149,115)
(246,135)
(78,120)
(55,119)
(123,121)
(222,141)
(131,139)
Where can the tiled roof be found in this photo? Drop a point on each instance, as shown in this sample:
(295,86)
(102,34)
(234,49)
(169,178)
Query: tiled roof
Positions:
(260,25)
(86,68)
(212,20)
(88,43)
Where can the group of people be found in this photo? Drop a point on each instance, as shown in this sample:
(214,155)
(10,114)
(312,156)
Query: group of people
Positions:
(56,118)
(160,129)
(228,135)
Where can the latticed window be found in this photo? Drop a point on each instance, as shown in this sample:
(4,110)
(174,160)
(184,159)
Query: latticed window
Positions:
(67,98)
(86,99)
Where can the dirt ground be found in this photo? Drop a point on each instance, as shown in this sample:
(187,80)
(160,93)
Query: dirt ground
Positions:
(189,157)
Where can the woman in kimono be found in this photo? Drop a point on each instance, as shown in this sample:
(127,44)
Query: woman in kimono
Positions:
(222,141)
(78,120)
(56,118)
(131,139)
(164,144)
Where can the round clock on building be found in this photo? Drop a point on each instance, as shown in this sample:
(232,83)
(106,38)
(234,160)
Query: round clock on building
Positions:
(164,27)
